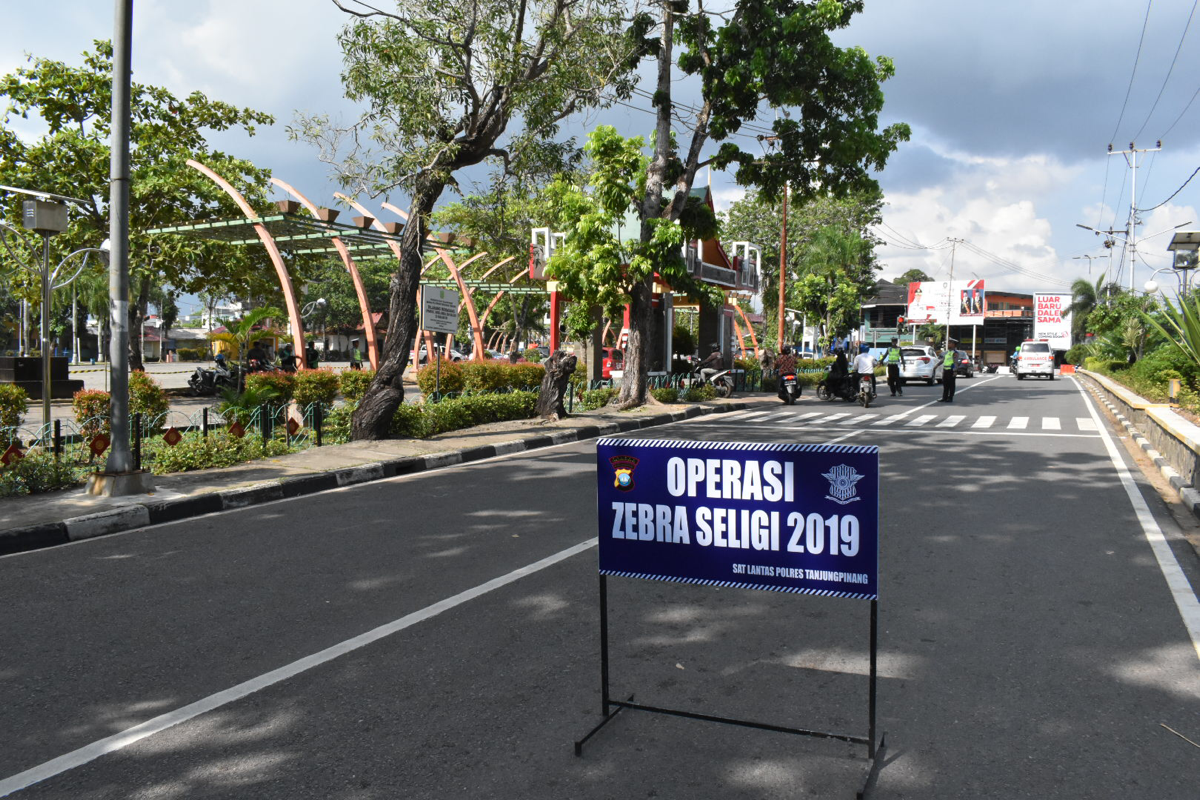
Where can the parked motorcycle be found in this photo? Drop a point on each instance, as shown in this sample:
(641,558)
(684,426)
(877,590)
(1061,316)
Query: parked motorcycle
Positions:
(866,392)
(207,382)
(789,388)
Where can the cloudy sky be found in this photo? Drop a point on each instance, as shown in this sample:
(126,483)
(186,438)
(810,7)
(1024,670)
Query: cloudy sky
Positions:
(1013,107)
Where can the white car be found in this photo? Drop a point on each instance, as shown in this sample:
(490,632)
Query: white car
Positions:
(921,363)
(1035,358)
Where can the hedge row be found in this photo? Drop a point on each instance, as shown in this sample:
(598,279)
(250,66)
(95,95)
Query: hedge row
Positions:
(480,376)
(305,386)
(421,420)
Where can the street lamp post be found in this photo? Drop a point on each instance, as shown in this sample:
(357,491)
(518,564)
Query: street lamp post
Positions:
(47,219)
(1185,247)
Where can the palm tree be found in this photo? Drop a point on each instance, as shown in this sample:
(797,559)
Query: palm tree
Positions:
(238,335)
(1085,296)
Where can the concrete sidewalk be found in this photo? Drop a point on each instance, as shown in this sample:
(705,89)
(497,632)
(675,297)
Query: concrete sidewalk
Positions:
(44,520)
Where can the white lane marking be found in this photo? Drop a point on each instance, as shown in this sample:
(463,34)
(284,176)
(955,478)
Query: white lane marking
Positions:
(830,418)
(755,415)
(950,422)
(1182,591)
(890,420)
(1051,424)
(921,420)
(1018,423)
(1085,424)
(135,734)
(929,432)
(810,415)
(984,422)
(861,419)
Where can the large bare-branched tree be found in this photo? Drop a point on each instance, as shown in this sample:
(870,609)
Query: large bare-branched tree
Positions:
(447,84)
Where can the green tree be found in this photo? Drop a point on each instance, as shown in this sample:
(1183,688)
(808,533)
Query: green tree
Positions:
(441,81)
(72,159)
(597,265)
(913,276)
(755,219)
(758,54)
(839,271)
(1086,296)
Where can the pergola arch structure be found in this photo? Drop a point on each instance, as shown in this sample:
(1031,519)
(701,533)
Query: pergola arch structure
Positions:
(360,290)
(749,327)
(476,330)
(285,280)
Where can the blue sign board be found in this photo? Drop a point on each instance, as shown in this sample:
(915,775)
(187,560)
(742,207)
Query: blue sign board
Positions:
(800,518)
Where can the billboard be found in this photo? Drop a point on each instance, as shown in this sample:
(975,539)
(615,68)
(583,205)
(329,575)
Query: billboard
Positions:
(799,518)
(963,302)
(1052,319)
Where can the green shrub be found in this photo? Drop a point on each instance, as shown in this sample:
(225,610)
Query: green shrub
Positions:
(191,354)
(91,413)
(147,398)
(13,405)
(666,395)
(219,449)
(533,355)
(335,424)
(597,398)
(525,376)
(486,376)
(236,407)
(354,383)
(39,472)
(697,394)
(283,383)
(451,377)
(1076,354)
(315,386)
(407,422)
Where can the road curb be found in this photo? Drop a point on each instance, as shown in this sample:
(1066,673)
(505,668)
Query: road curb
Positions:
(155,511)
(1187,493)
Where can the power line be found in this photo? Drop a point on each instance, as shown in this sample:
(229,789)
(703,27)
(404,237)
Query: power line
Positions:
(1177,191)
(1181,113)
(1133,74)
(1171,69)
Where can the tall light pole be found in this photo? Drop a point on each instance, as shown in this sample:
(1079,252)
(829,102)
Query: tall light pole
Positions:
(783,266)
(1089,260)
(118,477)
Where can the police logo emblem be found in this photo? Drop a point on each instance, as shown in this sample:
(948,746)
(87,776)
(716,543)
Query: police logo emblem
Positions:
(623,467)
(841,484)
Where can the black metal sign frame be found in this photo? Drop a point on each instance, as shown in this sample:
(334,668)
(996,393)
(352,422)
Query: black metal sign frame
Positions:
(610,708)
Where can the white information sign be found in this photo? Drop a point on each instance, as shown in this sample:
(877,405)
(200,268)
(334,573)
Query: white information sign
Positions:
(932,302)
(439,309)
(1052,319)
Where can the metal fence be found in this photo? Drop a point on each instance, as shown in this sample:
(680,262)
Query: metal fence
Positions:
(84,443)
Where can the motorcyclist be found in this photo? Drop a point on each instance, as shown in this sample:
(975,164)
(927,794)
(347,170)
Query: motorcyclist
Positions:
(713,364)
(256,356)
(864,364)
(287,358)
(838,380)
(785,364)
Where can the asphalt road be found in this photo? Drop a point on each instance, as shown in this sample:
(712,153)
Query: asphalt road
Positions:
(1030,645)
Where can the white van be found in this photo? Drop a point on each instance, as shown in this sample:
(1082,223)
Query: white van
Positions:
(1035,358)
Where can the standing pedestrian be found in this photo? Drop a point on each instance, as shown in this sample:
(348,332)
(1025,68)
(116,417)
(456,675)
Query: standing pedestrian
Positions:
(894,359)
(355,355)
(948,377)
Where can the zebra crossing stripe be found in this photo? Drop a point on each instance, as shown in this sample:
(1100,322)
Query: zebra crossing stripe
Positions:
(921,420)
(984,422)
(889,420)
(950,422)
(1018,423)
(831,417)
(1085,424)
(1051,424)
(859,420)
(756,415)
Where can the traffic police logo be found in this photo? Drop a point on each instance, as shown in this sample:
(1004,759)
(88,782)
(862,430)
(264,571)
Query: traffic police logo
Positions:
(623,467)
(841,484)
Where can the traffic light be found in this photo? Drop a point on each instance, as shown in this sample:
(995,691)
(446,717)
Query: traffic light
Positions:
(899,322)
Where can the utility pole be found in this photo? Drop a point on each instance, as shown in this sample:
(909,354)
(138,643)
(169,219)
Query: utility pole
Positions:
(783,267)
(950,290)
(1131,158)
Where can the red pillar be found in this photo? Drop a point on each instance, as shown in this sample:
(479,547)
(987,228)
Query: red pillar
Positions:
(555,317)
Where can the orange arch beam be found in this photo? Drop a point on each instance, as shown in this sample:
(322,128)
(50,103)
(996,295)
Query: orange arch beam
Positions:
(285,281)
(360,290)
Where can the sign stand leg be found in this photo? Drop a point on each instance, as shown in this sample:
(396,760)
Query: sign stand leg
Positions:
(605,699)
(874,753)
